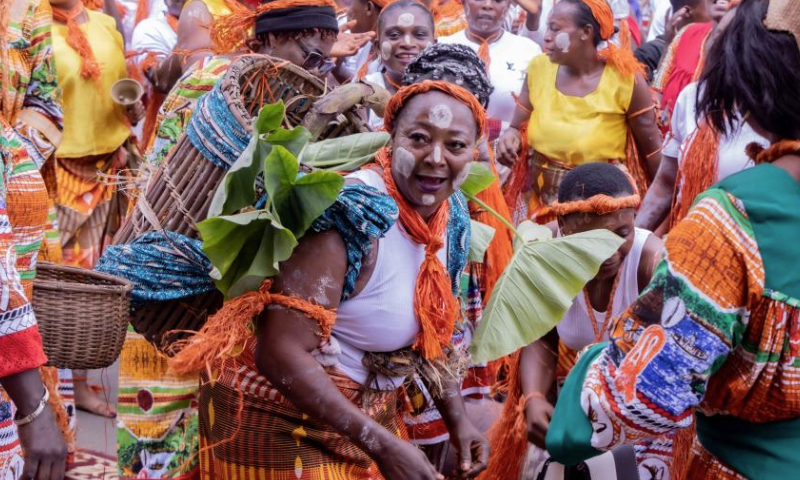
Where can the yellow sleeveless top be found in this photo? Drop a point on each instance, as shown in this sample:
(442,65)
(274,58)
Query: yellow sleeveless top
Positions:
(578,130)
(93,123)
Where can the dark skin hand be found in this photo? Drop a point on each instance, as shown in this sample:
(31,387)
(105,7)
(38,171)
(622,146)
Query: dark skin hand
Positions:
(644,127)
(658,200)
(42,442)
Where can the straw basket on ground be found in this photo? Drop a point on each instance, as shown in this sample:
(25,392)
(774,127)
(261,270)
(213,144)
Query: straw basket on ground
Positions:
(179,193)
(82,315)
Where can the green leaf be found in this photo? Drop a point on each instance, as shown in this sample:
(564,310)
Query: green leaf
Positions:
(528,231)
(344,153)
(479,178)
(270,118)
(481,236)
(293,140)
(246,249)
(237,189)
(537,288)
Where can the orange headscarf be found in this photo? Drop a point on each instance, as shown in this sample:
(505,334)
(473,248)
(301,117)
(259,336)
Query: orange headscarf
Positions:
(621,58)
(229,32)
(434,304)
(78,41)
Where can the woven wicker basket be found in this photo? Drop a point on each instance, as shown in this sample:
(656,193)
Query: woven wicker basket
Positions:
(179,193)
(82,315)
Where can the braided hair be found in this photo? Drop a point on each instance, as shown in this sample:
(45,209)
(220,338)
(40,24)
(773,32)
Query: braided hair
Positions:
(452,63)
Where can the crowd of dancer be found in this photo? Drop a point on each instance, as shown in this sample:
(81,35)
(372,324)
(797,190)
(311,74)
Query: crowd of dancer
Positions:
(674,124)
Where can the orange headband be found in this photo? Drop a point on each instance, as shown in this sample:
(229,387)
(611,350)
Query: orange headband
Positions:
(399,100)
(229,32)
(601,204)
(620,58)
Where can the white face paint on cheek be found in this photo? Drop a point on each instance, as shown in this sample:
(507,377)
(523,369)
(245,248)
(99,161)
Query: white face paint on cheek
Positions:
(403,162)
(461,177)
(562,41)
(437,154)
(428,200)
(441,116)
(406,19)
(386,50)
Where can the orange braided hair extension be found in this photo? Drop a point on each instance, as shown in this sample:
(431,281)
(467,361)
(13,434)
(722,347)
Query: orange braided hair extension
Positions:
(229,32)
(434,303)
(620,58)
(698,170)
(78,41)
(760,155)
(600,204)
(226,331)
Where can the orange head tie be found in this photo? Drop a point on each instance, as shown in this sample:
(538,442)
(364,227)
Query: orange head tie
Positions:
(598,204)
(620,58)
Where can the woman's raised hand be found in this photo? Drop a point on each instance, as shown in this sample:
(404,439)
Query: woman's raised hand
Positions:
(508,146)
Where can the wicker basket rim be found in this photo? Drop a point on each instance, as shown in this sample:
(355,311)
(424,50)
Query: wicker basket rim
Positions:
(116,282)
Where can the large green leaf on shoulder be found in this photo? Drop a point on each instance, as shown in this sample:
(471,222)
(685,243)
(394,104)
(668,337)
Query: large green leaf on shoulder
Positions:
(293,140)
(537,288)
(245,249)
(237,189)
(297,202)
(346,153)
(481,236)
(479,178)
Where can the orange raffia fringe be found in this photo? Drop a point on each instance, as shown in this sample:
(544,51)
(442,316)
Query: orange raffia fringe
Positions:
(434,304)
(56,402)
(142,11)
(229,32)
(698,170)
(620,58)
(501,249)
(78,41)
(509,434)
(520,172)
(5,71)
(483,50)
(226,331)
(777,150)
(636,165)
(600,204)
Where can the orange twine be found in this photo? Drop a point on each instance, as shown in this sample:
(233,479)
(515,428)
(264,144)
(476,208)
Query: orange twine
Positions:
(520,173)
(483,50)
(777,150)
(620,58)
(142,11)
(600,204)
(698,170)
(226,331)
(229,32)
(76,39)
(5,72)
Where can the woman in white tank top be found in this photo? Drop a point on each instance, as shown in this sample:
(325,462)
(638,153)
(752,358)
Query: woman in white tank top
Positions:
(585,191)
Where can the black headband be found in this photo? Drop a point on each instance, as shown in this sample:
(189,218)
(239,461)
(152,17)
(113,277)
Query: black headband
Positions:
(297,18)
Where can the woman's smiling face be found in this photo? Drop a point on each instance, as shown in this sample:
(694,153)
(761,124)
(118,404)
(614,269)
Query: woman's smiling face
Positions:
(402,34)
(433,143)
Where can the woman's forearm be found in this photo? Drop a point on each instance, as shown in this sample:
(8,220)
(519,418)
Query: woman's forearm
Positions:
(538,364)
(657,202)
(25,389)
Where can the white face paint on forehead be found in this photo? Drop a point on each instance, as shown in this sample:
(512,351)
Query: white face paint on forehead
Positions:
(562,41)
(428,200)
(403,161)
(441,116)
(386,50)
(461,177)
(406,19)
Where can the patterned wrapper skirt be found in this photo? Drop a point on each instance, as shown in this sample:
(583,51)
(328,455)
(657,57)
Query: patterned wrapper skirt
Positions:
(249,430)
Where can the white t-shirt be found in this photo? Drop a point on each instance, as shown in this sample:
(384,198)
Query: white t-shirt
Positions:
(375,122)
(732,156)
(154,35)
(659,22)
(510,56)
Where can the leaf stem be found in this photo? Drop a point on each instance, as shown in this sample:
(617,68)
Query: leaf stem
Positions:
(494,213)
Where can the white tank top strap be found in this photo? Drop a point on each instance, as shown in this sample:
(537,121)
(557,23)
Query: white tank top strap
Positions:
(575,329)
(370,178)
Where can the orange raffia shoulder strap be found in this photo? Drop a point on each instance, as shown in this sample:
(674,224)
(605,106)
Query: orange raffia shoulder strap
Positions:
(224,333)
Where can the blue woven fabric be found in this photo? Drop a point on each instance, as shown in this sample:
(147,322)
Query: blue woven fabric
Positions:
(214,131)
(360,214)
(458,237)
(161,265)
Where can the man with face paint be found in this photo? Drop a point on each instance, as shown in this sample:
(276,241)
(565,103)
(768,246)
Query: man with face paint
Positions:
(505,55)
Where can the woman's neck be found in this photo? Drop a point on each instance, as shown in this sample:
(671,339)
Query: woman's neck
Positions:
(600,291)
(393,80)
(586,64)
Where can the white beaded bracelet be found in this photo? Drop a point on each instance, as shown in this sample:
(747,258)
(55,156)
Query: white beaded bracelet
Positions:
(28,419)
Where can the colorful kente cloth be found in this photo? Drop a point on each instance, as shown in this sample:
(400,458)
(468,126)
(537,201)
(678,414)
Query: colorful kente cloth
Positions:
(177,109)
(716,331)
(157,420)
